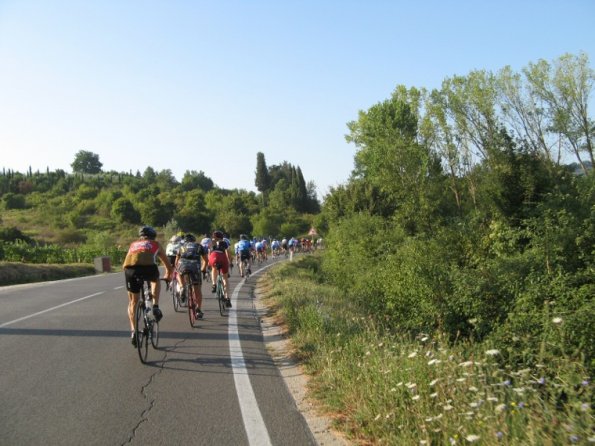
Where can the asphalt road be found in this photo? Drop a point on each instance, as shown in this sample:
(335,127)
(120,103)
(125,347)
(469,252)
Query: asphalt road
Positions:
(69,375)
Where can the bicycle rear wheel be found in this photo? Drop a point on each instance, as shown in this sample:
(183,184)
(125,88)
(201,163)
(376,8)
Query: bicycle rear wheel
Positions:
(221,297)
(174,295)
(154,333)
(189,290)
(140,330)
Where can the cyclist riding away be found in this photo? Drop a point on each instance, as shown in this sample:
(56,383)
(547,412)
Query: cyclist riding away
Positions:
(172,248)
(220,255)
(244,246)
(192,259)
(141,264)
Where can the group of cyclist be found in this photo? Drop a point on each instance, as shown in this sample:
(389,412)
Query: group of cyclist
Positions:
(185,258)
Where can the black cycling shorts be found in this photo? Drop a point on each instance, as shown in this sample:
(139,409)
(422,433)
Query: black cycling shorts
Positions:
(245,255)
(192,269)
(136,274)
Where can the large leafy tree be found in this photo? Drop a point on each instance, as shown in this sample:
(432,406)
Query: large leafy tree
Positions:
(86,162)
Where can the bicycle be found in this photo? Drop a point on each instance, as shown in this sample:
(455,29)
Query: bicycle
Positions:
(246,268)
(176,295)
(220,292)
(191,300)
(146,327)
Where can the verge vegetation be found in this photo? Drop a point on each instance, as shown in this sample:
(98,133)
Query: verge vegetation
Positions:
(383,385)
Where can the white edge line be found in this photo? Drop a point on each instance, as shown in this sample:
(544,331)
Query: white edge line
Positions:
(254,425)
(49,309)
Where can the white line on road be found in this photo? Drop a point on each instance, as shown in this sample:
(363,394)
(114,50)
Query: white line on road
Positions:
(5,324)
(253,421)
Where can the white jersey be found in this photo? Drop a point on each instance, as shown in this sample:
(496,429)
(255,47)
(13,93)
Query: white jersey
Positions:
(172,248)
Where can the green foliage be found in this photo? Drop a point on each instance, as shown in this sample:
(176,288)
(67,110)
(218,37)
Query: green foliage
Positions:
(124,211)
(391,388)
(12,234)
(86,162)
(262,180)
(13,201)
(459,222)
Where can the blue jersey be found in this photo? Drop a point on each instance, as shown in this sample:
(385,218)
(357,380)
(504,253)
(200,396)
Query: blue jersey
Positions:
(244,245)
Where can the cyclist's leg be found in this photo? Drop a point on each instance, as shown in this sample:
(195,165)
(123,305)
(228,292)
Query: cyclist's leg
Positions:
(133,286)
(132,300)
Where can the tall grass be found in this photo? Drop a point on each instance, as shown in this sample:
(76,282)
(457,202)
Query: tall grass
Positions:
(386,388)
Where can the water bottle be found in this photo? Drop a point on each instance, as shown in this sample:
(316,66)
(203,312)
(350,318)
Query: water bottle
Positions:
(149,308)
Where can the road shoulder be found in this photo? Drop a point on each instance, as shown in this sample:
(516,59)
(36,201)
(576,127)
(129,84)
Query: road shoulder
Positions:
(279,347)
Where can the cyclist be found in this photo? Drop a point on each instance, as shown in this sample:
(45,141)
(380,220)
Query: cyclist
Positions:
(220,255)
(172,248)
(275,246)
(265,246)
(192,259)
(141,264)
(258,246)
(243,250)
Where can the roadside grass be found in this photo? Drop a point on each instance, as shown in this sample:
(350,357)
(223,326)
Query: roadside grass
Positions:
(12,273)
(382,387)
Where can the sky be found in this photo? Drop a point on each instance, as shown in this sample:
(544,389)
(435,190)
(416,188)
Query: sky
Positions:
(206,85)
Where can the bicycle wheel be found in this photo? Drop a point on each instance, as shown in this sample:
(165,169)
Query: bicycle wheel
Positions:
(174,295)
(140,329)
(154,333)
(189,290)
(221,296)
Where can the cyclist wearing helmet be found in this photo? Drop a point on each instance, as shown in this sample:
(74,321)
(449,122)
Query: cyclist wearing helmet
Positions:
(244,248)
(192,259)
(220,254)
(141,264)
(172,248)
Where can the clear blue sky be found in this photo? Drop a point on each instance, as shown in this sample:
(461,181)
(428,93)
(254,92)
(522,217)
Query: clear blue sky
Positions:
(197,85)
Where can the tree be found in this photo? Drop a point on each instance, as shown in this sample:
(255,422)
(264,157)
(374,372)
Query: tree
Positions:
(86,162)
(196,180)
(566,87)
(263,180)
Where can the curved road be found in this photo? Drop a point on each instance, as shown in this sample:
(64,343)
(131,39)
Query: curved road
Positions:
(70,376)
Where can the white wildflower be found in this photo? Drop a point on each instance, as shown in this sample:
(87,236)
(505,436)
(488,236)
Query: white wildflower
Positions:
(519,390)
(466,364)
(461,380)
(411,386)
(473,389)
(492,399)
(447,407)
(393,389)
(415,397)
(377,417)
(425,338)
(472,438)
(493,352)
(434,361)
(557,320)
(500,407)
(434,395)
(433,383)
(412,355)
